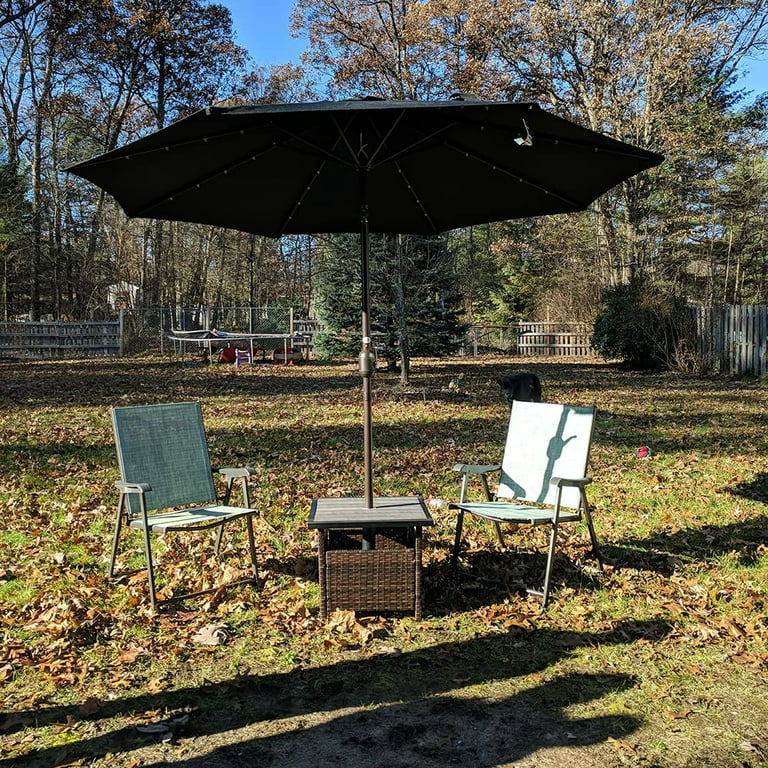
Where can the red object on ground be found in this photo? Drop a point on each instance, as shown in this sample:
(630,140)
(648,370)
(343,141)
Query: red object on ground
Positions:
(227,355)
(289,356)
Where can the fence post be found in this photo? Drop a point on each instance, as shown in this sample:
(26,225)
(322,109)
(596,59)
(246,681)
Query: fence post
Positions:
(121,326)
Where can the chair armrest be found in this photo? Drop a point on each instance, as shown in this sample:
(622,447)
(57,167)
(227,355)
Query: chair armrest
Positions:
(476,469)
(481,470)
(124,487)
(236,471)
(570,482)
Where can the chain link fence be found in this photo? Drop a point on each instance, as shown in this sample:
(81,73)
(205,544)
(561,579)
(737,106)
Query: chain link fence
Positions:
(482,339)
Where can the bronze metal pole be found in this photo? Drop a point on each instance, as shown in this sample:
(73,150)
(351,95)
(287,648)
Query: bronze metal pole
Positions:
(366,357)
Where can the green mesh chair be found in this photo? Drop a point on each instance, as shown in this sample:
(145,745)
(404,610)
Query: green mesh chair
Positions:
(543,477)
(164,465)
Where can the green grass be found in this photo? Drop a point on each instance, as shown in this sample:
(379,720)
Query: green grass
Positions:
(659,661)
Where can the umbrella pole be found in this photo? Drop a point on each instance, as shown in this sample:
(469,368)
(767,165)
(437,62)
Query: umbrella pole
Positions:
(366,357)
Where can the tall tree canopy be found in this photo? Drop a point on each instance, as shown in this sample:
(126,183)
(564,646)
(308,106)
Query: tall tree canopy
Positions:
(658,73)
(78,77)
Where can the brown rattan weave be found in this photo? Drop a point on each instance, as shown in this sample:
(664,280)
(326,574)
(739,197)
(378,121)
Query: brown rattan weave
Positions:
(386,578)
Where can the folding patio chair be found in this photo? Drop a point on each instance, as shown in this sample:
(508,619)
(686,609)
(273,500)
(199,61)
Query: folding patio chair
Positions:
(543,476)
(164,465)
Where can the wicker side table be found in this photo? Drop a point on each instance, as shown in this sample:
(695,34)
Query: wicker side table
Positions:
(370,559)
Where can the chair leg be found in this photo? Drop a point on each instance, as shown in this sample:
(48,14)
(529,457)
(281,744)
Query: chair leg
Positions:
(228,491)
(499,534)
(252,547)
(219,534)
(457,541)
(591,529)
(249,523)
(116,537)
(148,552)
(150,567)
(486,489)
(220,529)
(548,571)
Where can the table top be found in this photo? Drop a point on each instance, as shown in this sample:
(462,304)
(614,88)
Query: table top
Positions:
(350,512)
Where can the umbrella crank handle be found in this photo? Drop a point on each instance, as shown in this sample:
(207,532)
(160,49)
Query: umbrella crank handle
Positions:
(367,362)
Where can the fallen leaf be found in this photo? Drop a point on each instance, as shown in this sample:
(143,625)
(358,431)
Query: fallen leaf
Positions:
(748,746)
(129,655)
(621,745)
(212,634)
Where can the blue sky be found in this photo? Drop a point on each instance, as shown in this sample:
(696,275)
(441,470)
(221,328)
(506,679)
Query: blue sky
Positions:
(263,28)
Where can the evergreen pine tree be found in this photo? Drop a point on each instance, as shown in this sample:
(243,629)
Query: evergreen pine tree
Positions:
(414,302)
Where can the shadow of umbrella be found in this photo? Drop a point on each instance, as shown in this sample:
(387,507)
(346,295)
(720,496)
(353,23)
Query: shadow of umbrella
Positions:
(371,165)
(261,716)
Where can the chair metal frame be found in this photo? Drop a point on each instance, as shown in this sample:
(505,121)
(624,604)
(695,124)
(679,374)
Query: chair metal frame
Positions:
(198,518)
(553,505)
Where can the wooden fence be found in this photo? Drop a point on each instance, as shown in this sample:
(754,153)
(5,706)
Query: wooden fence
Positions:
(724,339)
(555,339)
(58,339)
(305,338)
(531,339)
(732,339)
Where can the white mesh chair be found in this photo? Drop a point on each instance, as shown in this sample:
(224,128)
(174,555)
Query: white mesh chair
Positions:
(164,465)
(543,476)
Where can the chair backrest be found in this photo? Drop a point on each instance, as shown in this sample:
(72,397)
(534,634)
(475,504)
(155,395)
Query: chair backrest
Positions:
(545,440)
(164,445)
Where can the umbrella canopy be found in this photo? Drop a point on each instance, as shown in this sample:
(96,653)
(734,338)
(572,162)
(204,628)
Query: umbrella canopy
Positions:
(364,165)
(427,166)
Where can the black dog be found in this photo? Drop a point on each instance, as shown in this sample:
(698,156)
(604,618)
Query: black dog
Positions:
(521,386)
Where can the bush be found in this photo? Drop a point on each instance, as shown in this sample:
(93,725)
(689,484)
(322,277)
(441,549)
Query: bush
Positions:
(639,325)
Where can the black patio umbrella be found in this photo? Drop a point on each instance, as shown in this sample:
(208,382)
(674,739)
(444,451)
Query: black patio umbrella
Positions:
(364,165)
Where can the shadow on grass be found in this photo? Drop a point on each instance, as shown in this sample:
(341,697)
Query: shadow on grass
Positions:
(756,489)
(489,577)
(665,552)
(125,382)
(257,445)
(414,706)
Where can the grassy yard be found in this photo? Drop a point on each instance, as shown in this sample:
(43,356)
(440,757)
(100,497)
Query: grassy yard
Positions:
(660,661)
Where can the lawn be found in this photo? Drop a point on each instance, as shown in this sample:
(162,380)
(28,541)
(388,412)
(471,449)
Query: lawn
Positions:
(661,660)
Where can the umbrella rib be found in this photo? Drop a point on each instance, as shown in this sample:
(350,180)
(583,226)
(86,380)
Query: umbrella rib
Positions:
(109,157)
(513,174)
(406,150)
(416,197)
(343,136)
(619,149)
(383,139)
(317,148)
(298,203)
(141,212)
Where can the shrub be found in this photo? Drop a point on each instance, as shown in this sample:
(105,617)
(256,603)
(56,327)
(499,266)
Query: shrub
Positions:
(639,325)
